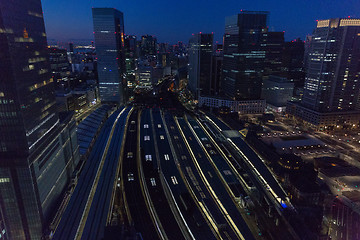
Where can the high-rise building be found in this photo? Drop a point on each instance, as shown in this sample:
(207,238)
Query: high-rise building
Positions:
(200,56)
(216,70)
(148,45)
(243,55)
(332,86)
(144,76)
(273,44)
(131,54)
(109,42)
(59,64)
(332,73)
(71,48)
(37,148)
(293,62)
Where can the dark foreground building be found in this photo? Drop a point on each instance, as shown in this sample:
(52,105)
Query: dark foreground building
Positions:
(38,150)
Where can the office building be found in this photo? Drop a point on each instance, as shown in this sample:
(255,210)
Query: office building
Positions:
(38,150)
(200,55)
(148,45)
(216,73)
(109,42)
(163,59)
(273,44)
(59,64)
(332,83)
(332,71)
(277,91)
(293,63)
(144,76)
(241,107)
(130,52)
(71,48)
(243,55)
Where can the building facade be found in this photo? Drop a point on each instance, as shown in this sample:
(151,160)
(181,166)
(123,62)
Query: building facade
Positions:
(324,120)
(242,107)
(144,76)
(333,66)
(216,74)
(59,64)
(332,86)
(277,91)
(109,42)
(243,55)
(200,56)
(273,44)
(148,45)
(293,63)
(37,152)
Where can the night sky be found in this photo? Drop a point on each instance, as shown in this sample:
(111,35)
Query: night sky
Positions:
(172,21)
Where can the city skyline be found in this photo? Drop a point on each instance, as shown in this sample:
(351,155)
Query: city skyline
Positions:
(295,18)
(124,136)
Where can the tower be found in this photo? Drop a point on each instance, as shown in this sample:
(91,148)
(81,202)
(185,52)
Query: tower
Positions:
(200,56)
(109,44)
(243,55)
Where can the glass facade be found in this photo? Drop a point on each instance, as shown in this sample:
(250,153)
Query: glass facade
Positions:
(200,57)
(3,234)
(34,168)
(109,42)
(332,80)
(243,55)
(148,45)
(277,91)
(27,101)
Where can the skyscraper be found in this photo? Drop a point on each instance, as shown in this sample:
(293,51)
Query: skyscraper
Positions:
(131,54)
(272,43)
(148,45)
(216,69)
(59,64)
(109,43)
(293,62)
(333,67)
(332,86)
(36,146)
(243,55)
(200,56)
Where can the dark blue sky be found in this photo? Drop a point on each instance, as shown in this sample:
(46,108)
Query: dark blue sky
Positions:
(172,21)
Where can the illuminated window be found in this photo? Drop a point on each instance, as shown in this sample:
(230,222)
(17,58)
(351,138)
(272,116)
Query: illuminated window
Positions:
(4,180)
